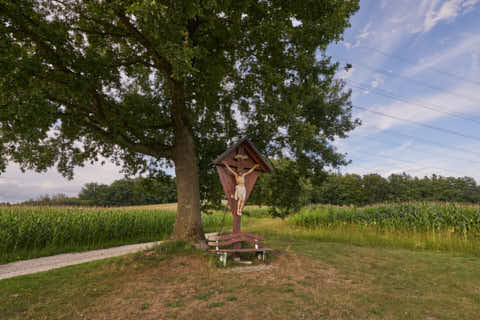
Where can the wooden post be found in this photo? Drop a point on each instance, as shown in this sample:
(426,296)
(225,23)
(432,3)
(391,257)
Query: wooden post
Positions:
(237,224)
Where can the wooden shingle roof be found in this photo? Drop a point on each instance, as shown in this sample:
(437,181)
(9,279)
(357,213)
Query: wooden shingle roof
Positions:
(250,149)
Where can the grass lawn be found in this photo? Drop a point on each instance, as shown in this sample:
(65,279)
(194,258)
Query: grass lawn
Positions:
(309,279)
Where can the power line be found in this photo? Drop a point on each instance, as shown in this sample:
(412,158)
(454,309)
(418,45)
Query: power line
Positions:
(425,141)
(389,94)
(410,79)
(406,161)
(423,151)
(379,171)
(420,124)
(446,73)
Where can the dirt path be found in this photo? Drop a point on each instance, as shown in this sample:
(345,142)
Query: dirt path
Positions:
(18,268)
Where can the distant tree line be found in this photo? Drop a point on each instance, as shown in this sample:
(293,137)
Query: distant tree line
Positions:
(372,188)
(288,189)
(127,192)
(59,199)
(123,192)
(285,190)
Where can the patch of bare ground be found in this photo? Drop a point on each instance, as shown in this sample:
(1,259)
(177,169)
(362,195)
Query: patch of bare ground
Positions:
(191,287)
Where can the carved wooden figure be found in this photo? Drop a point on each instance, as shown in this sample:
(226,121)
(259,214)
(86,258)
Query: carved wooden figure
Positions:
(240,191)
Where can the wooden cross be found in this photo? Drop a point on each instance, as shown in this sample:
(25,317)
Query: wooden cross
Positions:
(242,156)
(241,160)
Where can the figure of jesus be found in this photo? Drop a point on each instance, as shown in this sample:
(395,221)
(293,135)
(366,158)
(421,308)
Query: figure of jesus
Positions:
(240,191)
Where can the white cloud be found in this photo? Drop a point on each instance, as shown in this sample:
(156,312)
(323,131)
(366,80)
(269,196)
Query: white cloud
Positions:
(447,11)
(398,149)
(388,29)
(414,158)
(16,186)
(396,28)
(466,46)
(474,63)
(378,81)
(365,32)
(415,161)
(423,168)
(408,20)
(398,21)
(428,13)
(415,113)
(469,5)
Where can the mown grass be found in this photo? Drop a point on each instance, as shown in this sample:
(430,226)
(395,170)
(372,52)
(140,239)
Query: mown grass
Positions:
(309,279)
(360,268)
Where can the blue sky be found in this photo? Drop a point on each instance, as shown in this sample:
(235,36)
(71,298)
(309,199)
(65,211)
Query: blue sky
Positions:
(416,84)
(416,60)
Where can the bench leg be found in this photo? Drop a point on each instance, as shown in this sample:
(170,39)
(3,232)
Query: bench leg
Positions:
(223,258)
(264,253)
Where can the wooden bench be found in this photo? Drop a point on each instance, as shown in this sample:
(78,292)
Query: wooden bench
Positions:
(226,240)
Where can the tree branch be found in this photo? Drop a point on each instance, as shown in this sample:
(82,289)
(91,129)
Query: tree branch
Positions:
(154,149)
(151,148)
(160,61)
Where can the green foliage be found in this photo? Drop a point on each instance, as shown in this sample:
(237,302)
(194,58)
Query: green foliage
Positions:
(128,80)
(127,192)
(425,217)
(284,190)
(372,188)
(354,189)
(123,192)
(256,212)
(57,200)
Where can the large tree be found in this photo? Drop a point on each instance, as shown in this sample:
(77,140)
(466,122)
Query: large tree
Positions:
(170,82)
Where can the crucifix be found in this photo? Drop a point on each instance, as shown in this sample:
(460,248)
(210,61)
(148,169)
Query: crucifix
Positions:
(240,190)
(238,169)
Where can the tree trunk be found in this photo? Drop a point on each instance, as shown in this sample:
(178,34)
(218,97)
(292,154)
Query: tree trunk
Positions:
(188,225)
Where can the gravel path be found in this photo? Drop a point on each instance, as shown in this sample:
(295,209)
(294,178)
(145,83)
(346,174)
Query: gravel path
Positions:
(18,268)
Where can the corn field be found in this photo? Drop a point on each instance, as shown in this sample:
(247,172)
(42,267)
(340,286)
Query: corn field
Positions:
(28,228)
(432,217)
